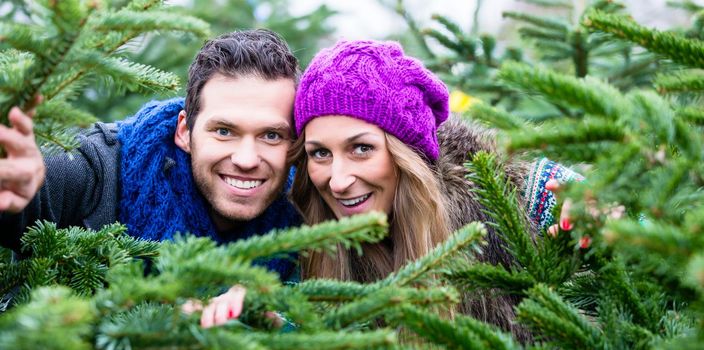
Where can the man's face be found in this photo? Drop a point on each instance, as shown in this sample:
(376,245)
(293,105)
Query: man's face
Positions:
(238,145)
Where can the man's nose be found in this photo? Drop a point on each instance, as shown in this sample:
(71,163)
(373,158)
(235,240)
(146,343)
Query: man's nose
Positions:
(341,177)
(245,156)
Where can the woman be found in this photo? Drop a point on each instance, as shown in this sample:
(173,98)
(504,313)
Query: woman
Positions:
(374,134)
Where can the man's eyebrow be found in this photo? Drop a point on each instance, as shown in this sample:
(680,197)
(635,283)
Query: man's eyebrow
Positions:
(218,121)
(280,127)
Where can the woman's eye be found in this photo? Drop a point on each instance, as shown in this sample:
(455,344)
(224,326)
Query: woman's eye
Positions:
(362,149)
(222,132)
(319,153)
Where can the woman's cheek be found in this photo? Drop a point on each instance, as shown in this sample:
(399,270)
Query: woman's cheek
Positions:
(316,172)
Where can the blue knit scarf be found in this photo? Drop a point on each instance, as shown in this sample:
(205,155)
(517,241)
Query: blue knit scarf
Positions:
(159,197)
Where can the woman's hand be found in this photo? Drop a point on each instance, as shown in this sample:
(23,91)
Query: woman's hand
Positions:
(565,223)
(220,309)
(615,211)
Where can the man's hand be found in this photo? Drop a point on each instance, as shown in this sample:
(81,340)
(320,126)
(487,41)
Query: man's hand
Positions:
(22,171)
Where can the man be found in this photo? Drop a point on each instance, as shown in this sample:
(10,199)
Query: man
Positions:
(213,166)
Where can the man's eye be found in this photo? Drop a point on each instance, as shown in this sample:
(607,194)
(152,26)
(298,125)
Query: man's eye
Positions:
(222,132)
(273,136)
(362,149)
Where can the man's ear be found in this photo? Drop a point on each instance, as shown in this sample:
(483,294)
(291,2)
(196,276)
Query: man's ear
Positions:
(182,137)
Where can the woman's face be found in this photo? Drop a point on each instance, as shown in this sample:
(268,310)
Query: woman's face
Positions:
(350,165)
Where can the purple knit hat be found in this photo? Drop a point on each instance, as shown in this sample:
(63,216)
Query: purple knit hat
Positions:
(374,81)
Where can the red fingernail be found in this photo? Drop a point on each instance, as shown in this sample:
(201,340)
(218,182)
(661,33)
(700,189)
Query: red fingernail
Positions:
(585,242)
(565,224)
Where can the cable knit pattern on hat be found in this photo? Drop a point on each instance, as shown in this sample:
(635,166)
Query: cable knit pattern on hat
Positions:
(376,82)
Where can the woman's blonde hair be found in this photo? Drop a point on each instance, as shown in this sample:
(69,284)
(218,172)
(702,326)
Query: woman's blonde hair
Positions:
(417,223)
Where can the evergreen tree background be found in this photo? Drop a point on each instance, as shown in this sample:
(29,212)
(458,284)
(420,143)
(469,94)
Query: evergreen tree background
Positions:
(598,91)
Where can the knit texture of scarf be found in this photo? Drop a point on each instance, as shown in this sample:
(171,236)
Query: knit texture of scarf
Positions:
(159,197)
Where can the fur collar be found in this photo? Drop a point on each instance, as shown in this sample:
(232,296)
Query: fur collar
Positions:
(459,139)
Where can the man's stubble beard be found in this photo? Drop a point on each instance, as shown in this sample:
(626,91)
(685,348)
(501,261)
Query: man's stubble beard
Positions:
(202,187)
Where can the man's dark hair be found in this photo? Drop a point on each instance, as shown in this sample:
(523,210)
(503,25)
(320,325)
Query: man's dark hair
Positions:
(259,52)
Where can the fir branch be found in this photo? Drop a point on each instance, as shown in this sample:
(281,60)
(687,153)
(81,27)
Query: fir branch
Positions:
(133,76)
(53,141)
(694,272)
(201,277)
(488,46)
(70,18)
(542,34)
(590,94)
(65,86)
(54,319)
(143,5)
(400,9)
(203,265)
(681,81)
(349,231)
(653,115)
(464,238)
(668,181)
(289,302)
(445,41)
(576,153)
(657,237)
(688,138)
(438,331)
(671,45)
(384,300)
(332,290)
(495,117)
(619,286)
(541,22)
(461,333)
(688,5)
(23,37)
(328,340)
(550,3)
(60,112)
(694,115)
(13,67)
(488,276)
(495,194)
(449,24)
(584,132)
(551,50)
(580,52)
(557,322)
(155,20)
(147,325)
(582,290)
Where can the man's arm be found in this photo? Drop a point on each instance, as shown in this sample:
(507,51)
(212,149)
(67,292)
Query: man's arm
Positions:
(68,190)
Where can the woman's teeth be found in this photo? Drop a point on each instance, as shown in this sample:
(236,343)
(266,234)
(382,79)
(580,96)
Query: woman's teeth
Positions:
(354,201)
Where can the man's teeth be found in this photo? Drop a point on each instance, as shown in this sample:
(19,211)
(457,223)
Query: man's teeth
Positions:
(243,184)
(353,201)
